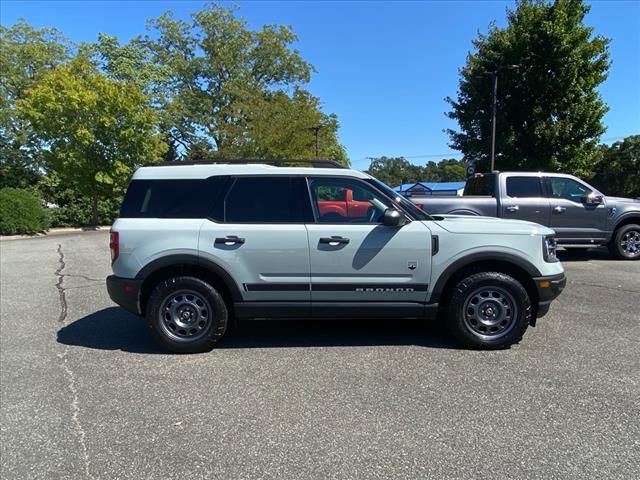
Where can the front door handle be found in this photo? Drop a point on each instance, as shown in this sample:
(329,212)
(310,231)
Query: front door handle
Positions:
(559,209)
(513,208)
(230,240)
(335,240)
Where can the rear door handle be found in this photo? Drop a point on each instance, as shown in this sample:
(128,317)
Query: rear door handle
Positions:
(335,240)
(559,209)
(513,208)
(230,240)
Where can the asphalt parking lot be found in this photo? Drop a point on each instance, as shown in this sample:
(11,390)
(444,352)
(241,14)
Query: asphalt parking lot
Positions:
(86,394)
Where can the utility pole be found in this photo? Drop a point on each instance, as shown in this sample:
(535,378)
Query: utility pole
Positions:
(316,131)
(493,121)
(494,77)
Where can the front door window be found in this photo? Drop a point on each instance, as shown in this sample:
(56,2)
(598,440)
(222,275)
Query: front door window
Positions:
(337,200)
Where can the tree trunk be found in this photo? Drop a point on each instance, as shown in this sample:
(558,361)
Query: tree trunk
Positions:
(94,203)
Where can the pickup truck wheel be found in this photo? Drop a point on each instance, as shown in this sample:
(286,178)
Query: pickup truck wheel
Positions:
(626,242)
(186,315)
(489,310)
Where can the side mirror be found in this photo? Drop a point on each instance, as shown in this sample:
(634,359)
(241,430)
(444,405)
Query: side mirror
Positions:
(592,199)
(392,218)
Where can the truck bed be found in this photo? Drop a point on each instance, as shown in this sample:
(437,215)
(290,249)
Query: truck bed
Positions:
(468,205)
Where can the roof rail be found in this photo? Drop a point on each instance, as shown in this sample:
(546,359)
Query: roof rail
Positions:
(276,162)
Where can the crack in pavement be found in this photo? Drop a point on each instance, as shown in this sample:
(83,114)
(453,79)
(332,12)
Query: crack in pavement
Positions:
(75,402)
(88,285)
(88,279)
(61,293)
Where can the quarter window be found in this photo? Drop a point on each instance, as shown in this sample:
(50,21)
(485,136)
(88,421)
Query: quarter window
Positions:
(172,198)
(524,187)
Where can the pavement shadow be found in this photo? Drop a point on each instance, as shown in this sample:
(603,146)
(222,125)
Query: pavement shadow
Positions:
(337,333)
(110,329)
(584,255)
(115,329)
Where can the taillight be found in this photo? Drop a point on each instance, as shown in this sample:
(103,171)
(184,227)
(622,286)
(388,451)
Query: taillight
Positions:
(419,205)
(114,245)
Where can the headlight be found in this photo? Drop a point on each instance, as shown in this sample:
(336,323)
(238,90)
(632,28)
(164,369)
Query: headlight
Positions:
(549,247)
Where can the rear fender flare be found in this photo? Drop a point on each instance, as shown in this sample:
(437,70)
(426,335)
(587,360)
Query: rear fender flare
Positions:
(192,260)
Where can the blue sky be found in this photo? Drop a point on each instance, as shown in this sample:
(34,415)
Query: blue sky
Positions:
(383,67)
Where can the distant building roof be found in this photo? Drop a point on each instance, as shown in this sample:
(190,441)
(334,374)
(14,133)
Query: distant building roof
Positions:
(432,186)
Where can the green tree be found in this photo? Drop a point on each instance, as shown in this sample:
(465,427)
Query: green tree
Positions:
(618,173)
(26,54)
(200,151)
(213,79)
(450,170)
(280,126)
(97,130)
(549,112)
(395,171)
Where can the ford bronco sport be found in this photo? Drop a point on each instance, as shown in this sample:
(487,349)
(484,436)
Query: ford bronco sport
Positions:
(199,244)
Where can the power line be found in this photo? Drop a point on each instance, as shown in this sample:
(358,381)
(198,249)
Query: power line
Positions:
(431,155)
(458,154)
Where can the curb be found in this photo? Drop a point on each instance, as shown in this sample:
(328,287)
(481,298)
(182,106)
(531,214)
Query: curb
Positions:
(58,231)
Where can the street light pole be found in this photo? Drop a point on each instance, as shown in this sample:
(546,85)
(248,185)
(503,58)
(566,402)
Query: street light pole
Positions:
(494,77)
(493,120)
(316,131)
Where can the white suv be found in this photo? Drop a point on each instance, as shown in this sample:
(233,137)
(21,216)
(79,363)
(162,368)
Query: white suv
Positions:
(198,244)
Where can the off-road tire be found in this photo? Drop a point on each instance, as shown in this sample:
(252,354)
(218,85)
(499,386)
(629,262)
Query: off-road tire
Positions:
(494,294)
(200,302)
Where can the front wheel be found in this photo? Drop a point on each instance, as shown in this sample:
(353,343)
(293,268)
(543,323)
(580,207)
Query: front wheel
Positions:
(186,315)
(626,242)
(489,310)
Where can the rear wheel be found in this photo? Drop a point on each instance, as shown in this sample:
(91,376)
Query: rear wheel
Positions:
(186,315)
(626,242)
(489,310)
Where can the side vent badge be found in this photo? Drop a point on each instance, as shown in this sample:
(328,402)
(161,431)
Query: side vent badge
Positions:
(412,265)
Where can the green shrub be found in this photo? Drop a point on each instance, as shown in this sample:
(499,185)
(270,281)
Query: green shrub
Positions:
(76,212)
(72,209)
(21,212)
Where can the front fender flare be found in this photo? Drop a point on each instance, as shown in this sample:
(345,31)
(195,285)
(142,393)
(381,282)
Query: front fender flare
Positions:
(463,262)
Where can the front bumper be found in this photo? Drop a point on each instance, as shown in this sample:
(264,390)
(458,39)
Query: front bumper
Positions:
(125,292)
(549,288)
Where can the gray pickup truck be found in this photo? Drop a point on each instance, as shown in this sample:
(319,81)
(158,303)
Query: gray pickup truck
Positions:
(581,216)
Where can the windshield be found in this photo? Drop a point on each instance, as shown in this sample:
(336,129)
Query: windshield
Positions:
(404,203)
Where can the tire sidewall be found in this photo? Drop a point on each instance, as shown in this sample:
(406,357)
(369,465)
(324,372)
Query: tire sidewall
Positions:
(214,331)
(470,284)
(617,248)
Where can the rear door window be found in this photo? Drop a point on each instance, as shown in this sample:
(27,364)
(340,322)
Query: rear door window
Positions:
(268,200)
(481,185)
(524,187)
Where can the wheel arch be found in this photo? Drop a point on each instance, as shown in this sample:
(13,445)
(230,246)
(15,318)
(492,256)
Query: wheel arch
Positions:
(513,266)
(187,265)
(464,211)
(626,220)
